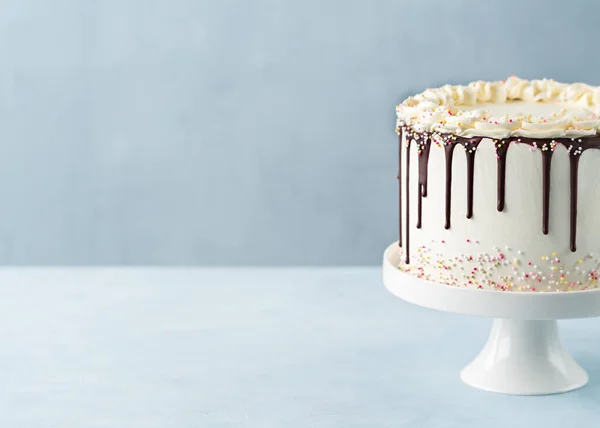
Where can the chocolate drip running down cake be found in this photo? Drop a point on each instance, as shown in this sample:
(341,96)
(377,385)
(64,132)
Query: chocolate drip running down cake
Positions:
(498,189)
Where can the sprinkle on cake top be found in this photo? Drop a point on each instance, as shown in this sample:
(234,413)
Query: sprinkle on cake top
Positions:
(512,107)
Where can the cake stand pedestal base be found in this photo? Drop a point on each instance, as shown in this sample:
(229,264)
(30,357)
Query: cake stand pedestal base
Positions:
(523,354)
(525,358)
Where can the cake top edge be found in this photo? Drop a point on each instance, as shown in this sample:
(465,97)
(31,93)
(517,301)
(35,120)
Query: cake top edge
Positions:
(541,108)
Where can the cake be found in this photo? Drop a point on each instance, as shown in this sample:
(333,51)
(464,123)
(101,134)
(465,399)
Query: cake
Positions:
(498,186)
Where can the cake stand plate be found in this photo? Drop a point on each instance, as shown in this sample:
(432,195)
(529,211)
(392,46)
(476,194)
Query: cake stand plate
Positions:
(523,354)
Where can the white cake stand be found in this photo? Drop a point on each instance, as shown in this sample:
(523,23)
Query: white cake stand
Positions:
(523,354)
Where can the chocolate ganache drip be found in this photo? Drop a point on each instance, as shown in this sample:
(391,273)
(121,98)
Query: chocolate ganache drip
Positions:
(575,147)
(470,145)
(407,248)
(546,163)
(424,147)
(400,187)
(470,148)
(574,161)
(449,152)
(501,151)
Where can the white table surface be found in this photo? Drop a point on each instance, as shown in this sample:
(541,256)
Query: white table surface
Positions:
(261,348)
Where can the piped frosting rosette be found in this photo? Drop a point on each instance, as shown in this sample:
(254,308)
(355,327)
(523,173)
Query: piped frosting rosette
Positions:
(454,109)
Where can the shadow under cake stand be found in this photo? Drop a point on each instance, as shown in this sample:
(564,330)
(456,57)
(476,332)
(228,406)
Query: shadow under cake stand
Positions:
(523,354)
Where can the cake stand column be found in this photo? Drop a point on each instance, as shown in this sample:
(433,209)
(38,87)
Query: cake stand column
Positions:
(525,358)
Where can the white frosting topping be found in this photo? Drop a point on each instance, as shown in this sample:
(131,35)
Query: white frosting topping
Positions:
(513,107)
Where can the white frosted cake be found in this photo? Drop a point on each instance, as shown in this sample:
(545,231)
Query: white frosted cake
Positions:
(498,189)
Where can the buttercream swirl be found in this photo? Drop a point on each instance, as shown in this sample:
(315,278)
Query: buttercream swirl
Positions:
(464,110)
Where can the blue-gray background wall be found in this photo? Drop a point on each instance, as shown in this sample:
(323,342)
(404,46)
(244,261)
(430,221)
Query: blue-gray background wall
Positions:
(237,132)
